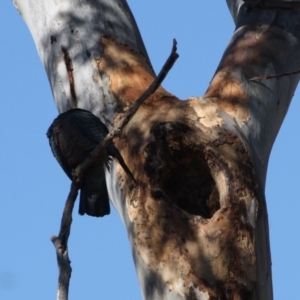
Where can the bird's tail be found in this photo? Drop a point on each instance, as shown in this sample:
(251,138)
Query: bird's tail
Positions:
(94,199)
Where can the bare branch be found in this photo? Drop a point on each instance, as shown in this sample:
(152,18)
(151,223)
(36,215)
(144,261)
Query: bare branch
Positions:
(60,243)
(117,131)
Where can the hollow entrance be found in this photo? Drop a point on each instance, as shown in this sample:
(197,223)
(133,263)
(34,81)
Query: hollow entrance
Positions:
(178,170)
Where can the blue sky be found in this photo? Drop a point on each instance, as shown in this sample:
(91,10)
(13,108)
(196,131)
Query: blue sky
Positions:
(33,188)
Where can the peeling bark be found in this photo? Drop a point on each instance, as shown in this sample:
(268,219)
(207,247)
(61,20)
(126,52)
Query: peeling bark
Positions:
(197,218)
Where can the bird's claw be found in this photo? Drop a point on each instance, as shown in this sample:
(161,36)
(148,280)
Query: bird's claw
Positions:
(76,177)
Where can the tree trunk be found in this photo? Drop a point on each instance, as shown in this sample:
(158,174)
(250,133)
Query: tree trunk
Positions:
(197,218)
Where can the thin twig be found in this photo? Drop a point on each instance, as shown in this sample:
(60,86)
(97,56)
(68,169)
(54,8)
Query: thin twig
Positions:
(60,243)
(260,78)
(116,132)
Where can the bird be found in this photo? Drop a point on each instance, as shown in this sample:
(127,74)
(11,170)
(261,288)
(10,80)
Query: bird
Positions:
(72,136)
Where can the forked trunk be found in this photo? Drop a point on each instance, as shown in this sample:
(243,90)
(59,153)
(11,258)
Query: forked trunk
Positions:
(197,218)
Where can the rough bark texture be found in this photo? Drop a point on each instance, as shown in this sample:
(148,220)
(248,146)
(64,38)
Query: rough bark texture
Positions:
(197,219)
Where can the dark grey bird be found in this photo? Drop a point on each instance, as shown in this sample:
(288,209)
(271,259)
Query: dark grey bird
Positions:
(72,136)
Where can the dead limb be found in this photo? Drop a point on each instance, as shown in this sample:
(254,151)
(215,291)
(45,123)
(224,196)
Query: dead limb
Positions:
(60,243)
(117,131)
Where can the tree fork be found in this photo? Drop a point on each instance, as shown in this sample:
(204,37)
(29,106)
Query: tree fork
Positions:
(216,147)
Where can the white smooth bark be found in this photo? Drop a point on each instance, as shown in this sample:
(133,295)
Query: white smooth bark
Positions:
(266,42)
(273,49)
(78,26)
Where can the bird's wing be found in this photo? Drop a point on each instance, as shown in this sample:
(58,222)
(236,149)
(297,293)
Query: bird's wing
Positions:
(54,141)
